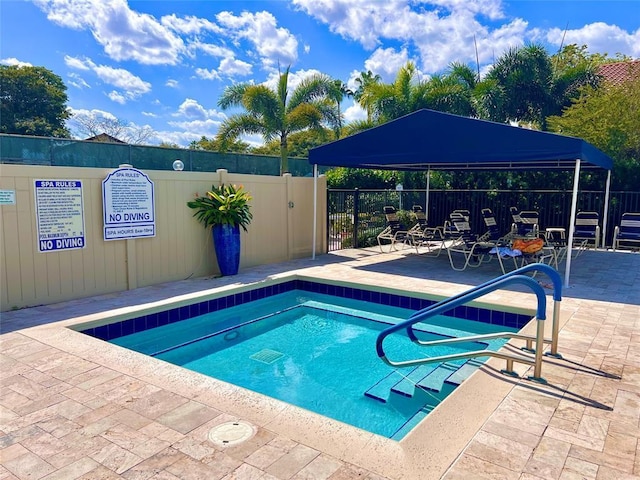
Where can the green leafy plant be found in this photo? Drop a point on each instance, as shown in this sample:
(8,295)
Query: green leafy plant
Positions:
(226,204)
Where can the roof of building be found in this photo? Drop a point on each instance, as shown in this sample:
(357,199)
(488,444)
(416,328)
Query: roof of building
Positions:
(617,73)
(104,137)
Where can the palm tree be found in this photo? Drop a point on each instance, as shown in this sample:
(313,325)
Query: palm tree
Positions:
(393,100)
(527,84)
(275,114)
(453,91)
(362,93)
(342,90)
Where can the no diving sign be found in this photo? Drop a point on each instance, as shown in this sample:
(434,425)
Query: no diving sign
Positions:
(128,205)
(59,215)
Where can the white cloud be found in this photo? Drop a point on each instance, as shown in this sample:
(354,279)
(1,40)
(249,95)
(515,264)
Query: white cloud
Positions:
(192,110)
(190,25)
(78,63)
(275,45)
(124,33)
(94,113)
(354,112)
(117,97)
(599,37)
(293,81)
(231,67)
(172,83)
(213,50)
(386,62)
(77,81)
(207,127)
(436,30)
(207,74)
(149,114)
(181,138)
(131,85)
(14,62)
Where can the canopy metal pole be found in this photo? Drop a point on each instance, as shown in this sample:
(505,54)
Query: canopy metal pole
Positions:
(315,209)
(426,202)
(606,210)
(572,222)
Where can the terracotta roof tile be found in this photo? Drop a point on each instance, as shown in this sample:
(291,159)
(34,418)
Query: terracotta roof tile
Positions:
(616,73)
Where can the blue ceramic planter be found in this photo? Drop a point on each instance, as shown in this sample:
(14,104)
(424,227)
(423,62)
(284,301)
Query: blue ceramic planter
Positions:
(226,241)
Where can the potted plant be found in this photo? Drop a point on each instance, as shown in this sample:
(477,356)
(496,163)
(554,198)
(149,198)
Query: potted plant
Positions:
(224,210)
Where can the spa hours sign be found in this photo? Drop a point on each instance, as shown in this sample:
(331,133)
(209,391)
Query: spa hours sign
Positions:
(128,205)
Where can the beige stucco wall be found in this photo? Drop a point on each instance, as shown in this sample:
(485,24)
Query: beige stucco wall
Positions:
(281,229)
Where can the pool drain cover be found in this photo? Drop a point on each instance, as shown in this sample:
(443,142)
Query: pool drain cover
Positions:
(231,433)
(267,356)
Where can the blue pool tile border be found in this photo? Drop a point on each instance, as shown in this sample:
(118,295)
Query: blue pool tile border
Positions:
(157,319)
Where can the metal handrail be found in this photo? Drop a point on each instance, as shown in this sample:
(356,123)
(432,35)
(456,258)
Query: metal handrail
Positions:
(553,275)
(460,299)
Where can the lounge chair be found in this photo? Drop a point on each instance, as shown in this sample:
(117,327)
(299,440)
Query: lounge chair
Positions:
(421,235)
(628,231)
(587,230)
(474,250)
(527,225)
(493,231)
(394,233)
(449,230)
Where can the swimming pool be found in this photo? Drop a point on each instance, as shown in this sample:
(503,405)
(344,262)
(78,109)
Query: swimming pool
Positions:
(313,345)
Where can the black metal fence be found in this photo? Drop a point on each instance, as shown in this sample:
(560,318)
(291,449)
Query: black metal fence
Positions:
(355,216)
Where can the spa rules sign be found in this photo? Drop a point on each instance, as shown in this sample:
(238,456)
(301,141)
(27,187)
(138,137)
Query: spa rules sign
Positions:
(128,205)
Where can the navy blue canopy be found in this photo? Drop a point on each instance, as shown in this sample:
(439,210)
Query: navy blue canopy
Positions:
(427,139)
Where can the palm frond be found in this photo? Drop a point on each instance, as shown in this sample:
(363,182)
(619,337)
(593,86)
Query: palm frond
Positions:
(283,83)
(237,125)
(315,87)
(303,116)
(261,101)
(232,95)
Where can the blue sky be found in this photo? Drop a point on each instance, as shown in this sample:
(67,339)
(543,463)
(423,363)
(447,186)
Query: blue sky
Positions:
(163,64)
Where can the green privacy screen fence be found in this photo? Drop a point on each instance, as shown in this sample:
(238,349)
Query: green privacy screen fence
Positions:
(81,153)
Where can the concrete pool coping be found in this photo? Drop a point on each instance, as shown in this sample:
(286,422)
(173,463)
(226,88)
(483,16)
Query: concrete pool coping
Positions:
(429,451)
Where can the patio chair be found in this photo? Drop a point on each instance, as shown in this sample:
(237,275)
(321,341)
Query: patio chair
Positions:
(449,230)
(527,225)
(556,244)
(394,233)
(587,230)
(493,233)
(502,242)
(628,231)
(473,249)
(421,235)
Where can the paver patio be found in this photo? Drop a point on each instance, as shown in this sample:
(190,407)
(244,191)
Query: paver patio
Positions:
(71,410)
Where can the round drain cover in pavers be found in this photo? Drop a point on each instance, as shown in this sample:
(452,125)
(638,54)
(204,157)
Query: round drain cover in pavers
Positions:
(231,433)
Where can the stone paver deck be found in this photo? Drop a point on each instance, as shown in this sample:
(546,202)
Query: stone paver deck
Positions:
(71,409)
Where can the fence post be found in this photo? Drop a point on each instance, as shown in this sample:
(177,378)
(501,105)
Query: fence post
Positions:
(356,212)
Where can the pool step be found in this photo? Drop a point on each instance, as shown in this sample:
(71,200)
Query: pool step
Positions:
(429,377)
(380,390)
(408,426)
(464,372)
(434,382)
(406,385)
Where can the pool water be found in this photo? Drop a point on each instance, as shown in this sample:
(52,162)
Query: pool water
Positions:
(318,352)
